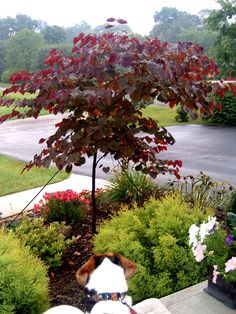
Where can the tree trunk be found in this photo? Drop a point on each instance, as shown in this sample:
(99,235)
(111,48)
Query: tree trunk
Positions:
(94,206)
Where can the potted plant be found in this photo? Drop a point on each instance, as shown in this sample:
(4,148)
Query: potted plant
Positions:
(214,243)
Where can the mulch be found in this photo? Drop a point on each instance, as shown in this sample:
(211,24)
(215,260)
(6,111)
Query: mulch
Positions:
(63,285)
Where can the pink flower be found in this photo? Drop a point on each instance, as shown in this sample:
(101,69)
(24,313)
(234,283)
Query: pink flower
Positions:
(215,273)
(199,251)
(36,208)
(230,264)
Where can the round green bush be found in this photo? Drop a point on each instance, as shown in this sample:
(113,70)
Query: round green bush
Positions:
(5,77)
(227,115)
(182,115)
(155,237)
(23,278)
(45,241)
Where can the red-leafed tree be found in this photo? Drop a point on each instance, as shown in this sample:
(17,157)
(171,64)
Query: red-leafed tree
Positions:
(99,88)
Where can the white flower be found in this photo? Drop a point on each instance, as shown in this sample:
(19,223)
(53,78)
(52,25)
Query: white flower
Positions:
(212,224)
(207,228)
(193,235)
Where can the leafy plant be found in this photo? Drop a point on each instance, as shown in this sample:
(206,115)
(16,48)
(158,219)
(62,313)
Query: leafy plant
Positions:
(231,206)
(67,206)
(215,244)
(155,237)
(45,241)
(128,187)
(23,278)
(99,86)
(182,115)
(5,77)
(228,113)
(202,191)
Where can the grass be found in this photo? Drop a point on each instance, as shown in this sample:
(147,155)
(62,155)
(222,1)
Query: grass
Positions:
(166,116)
(17,97)
(163,114)
(12,181)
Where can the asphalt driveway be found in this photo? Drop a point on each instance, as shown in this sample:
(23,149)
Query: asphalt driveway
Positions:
(211,149)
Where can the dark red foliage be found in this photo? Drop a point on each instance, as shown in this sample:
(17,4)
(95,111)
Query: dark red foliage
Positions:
(99,88)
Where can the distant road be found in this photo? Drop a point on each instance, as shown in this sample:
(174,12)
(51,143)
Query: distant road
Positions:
(208,148)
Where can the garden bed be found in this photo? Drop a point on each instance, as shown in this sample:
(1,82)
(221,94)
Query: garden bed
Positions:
(63,285)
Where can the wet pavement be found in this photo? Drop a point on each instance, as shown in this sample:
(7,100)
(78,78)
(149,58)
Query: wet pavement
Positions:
(211,149)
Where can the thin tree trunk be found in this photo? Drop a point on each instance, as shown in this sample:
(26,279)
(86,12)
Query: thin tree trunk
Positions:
(94,206)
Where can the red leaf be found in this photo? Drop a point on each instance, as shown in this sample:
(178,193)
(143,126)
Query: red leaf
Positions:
(42,140)
(112,58)
(78,38)
(219,106)
(109,26)
(106,169)
(233,87)
(110,20)
(121,21)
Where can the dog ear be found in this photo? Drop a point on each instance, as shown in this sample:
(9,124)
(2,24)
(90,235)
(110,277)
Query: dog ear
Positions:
(82,275)
(129,267)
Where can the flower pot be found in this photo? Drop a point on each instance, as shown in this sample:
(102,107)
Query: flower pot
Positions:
(222,291)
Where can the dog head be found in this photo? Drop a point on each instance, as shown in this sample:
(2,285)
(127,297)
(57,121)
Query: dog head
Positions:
(104,278)
(106,273)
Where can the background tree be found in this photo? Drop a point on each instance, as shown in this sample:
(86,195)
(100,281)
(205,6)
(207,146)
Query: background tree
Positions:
(45,50)
(98,88)
(224,22)
(10,25)
(170,22)
(54,34)
(2,56)
(200,35)
(73,31)
(22,50)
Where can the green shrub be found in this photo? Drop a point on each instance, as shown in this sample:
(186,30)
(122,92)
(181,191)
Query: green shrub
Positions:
(45,241)
(231,206)
(127,187)
(228,113)
(156,238)
(67,206)
(6,75)
(23,278)
(202,191)
(182,115)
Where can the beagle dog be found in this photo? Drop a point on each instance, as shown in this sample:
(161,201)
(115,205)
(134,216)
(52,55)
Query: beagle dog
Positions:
(104,278)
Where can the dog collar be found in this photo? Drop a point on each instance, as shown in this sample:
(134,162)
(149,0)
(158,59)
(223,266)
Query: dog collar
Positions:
(92,297)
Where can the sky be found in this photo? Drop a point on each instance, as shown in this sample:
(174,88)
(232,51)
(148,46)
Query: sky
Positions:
(138,13)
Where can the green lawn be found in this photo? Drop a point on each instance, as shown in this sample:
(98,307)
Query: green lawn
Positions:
(2,84)
(11,179)
(163,114)
(166,116)
(17,97)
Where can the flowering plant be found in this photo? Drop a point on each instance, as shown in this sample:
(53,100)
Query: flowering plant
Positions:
(215,243)
(68,206)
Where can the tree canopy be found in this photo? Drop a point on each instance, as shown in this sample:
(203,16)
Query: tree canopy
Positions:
(224,22)
(22,50)
(54,34)
(99,86)
(170,22)
(10,25)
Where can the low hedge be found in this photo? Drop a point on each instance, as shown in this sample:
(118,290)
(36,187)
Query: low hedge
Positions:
(155,237)
(23,278)
(227,115)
